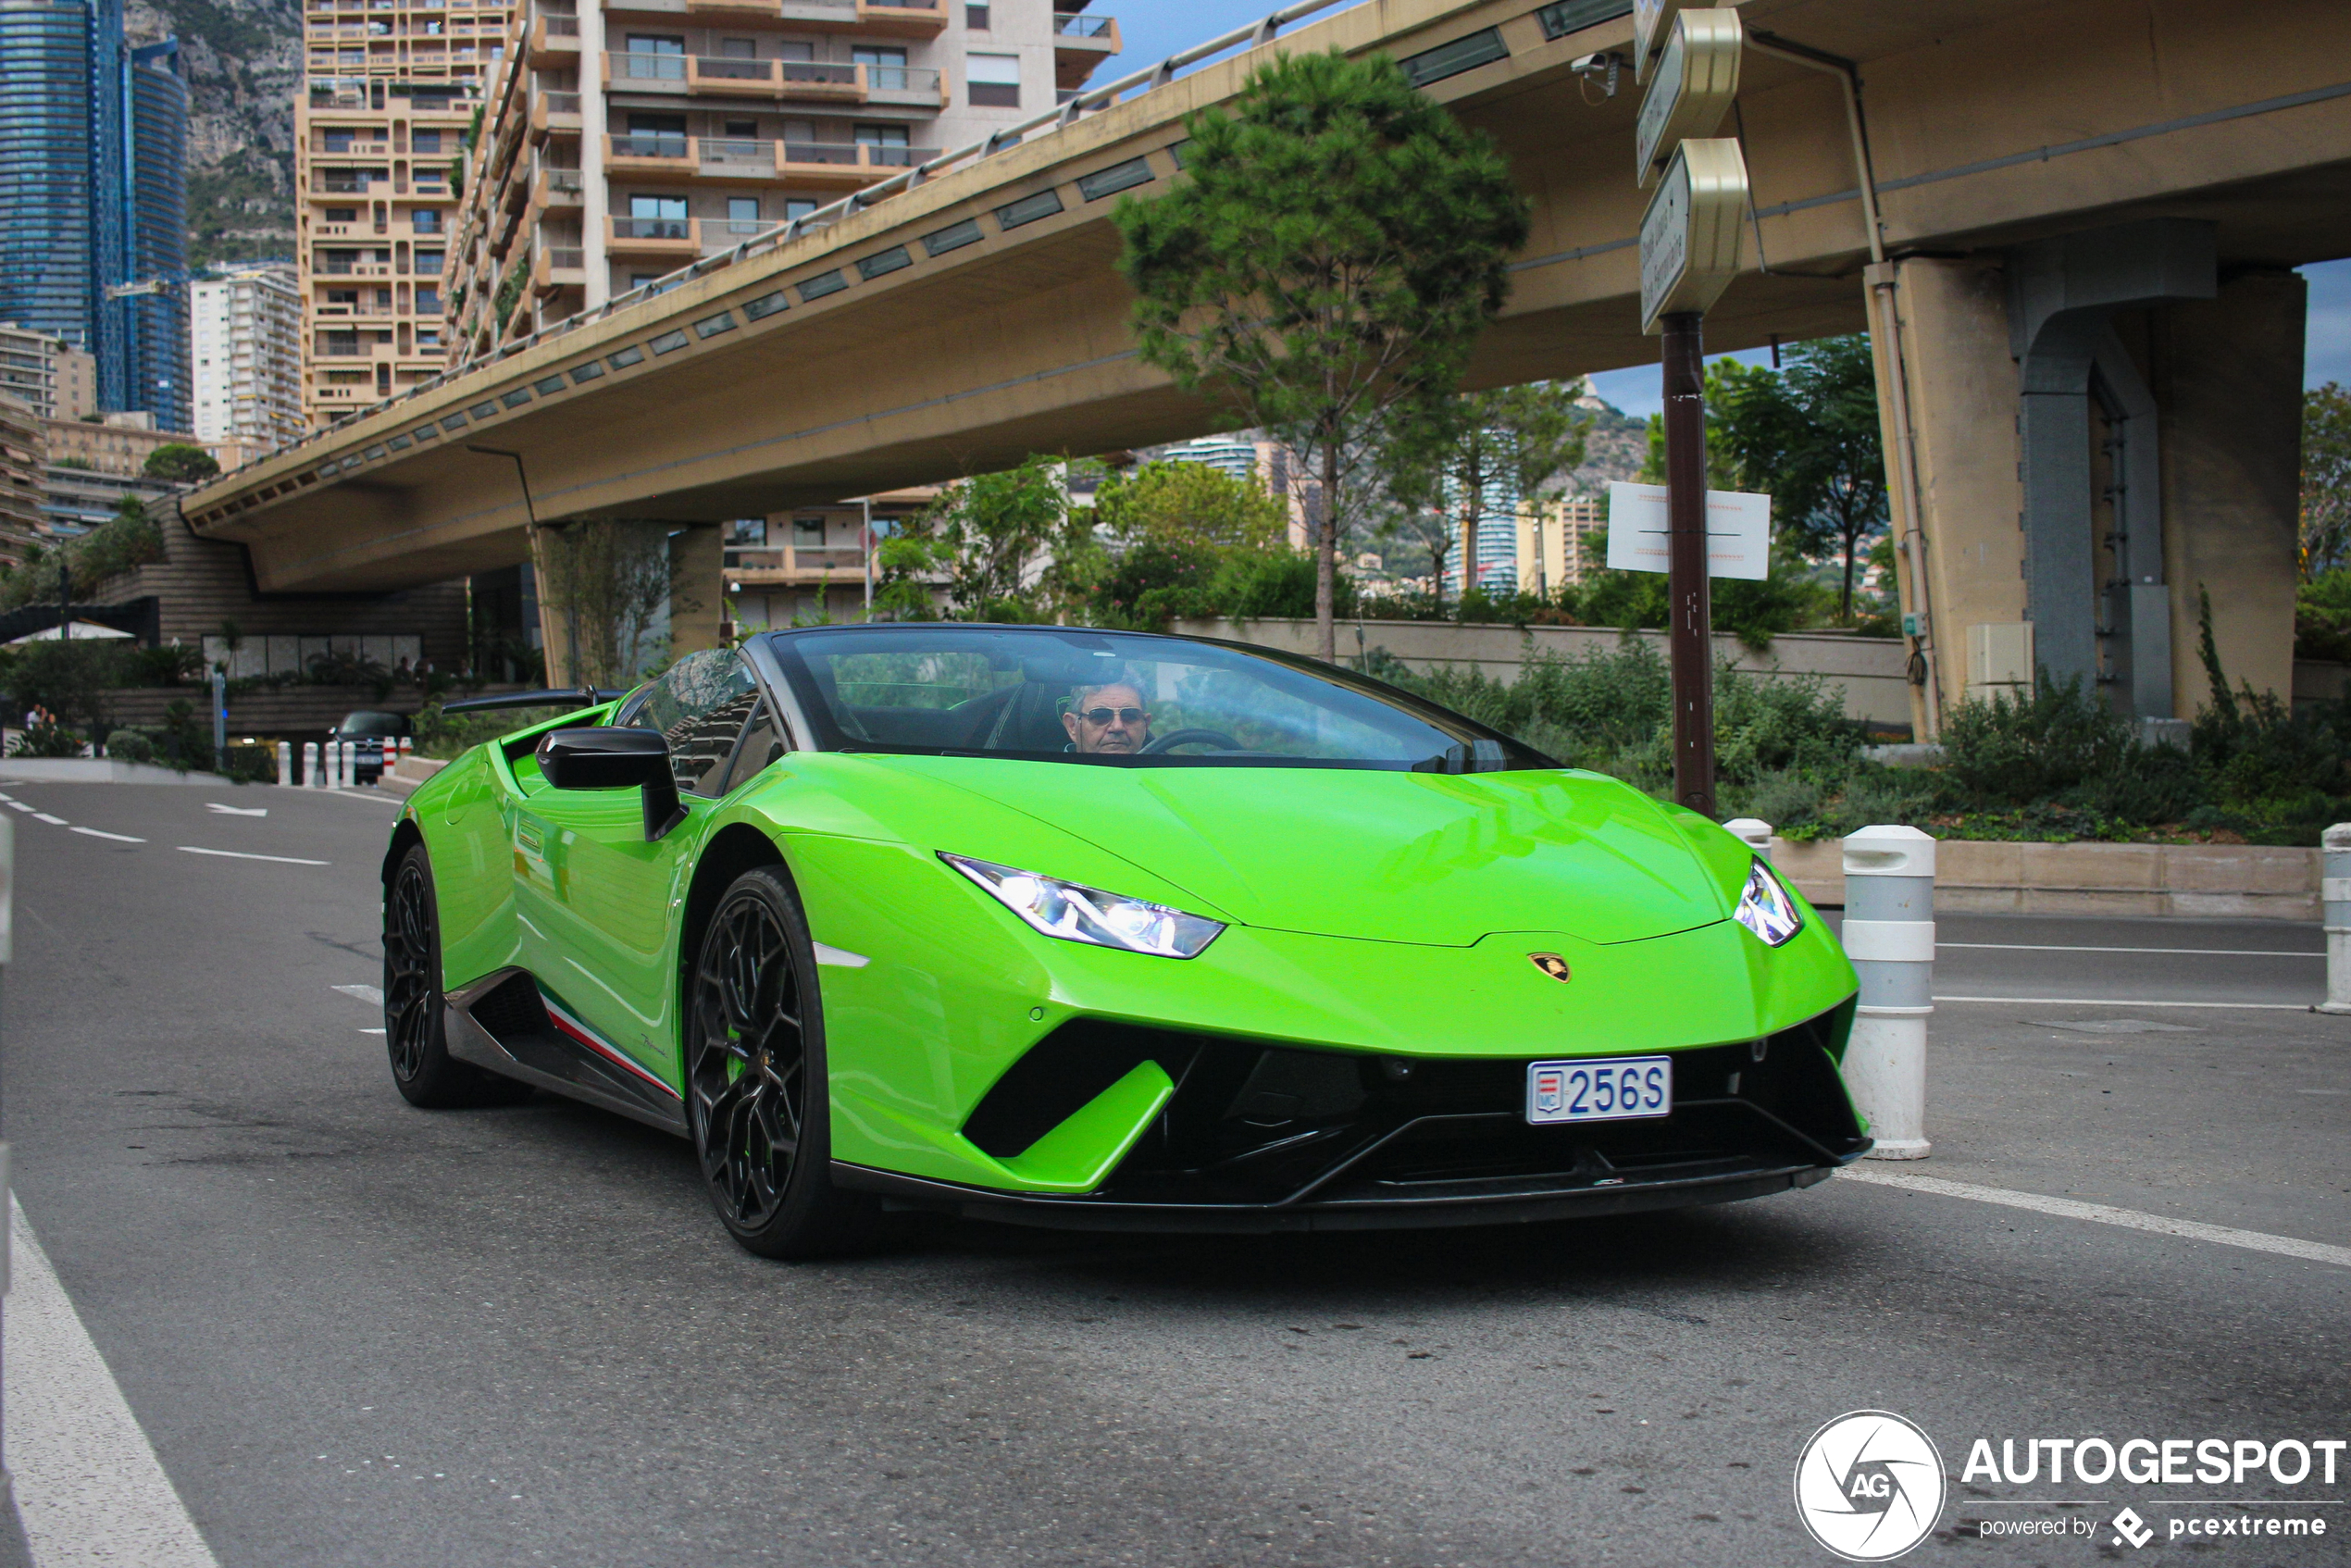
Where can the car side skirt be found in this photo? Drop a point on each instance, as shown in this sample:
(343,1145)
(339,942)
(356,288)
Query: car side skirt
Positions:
(508,1023)
(1492,1208)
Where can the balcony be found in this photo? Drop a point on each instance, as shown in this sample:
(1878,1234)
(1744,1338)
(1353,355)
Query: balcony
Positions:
(1081,42)
(809,81)
(900,19)
(646,152)
(556,188)
(555,114)
(554,41)
(558,266)
(751,565)
(653,236)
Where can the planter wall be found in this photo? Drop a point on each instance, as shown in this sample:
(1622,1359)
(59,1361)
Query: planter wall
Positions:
(1869,669)
(290,710)
(2202,881)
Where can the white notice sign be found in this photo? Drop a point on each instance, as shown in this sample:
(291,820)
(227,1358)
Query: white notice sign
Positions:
(1738,532)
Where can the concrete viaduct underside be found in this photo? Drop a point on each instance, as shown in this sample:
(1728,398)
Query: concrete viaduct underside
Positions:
(2193,153)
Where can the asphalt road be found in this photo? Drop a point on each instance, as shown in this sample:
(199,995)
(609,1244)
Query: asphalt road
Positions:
(360,1334)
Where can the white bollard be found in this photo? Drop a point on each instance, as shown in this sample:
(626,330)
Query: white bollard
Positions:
(310,764)
(407,743)
(1755,833)
(349,777)
(2334,891)
(334,765)
(285,762)
(1889,934)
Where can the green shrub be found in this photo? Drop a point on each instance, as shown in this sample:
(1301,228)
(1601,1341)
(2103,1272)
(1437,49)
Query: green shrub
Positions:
(46,741)
(130,745)
(2012,751)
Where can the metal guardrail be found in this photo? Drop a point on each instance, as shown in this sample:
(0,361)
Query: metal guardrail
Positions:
(1260,32)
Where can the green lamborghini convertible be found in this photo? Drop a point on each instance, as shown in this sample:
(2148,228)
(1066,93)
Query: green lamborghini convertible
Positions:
(1101,929)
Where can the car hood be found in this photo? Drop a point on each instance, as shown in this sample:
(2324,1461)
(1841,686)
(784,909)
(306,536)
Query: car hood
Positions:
(1390,856)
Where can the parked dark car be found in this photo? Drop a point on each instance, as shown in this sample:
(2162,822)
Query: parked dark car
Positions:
(373,730)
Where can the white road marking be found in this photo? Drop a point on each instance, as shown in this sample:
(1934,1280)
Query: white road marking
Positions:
(840,958)
(236,811)
(2109,1001)
(90,1489)
(2130,1219)
(19,806)
(52,821)
(118,837)
(2199,951)
(371,1031)
(367,994)
(240,854)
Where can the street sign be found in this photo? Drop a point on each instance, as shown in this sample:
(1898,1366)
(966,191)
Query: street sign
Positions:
(1691,234)
(1697,77)
(1652,23)
(1738,532)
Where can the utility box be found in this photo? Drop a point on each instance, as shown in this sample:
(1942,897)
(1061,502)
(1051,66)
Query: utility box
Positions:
(2000,660)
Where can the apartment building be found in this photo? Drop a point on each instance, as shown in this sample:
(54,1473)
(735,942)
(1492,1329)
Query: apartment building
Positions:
(23,455)
(247,330)
(46,373)
(1555,541)
(393,86)
(625,138)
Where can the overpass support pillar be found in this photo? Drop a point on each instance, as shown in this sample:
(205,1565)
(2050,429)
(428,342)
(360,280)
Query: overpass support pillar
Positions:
(2228,374)
(697,601)
(1953,473)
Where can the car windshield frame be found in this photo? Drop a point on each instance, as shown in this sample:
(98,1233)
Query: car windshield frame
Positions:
(1471,747)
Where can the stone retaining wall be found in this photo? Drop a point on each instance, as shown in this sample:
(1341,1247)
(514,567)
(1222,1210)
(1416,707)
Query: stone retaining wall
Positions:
(2201,881)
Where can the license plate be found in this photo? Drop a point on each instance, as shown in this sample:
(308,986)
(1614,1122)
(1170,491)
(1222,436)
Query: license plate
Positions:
(1612,1088)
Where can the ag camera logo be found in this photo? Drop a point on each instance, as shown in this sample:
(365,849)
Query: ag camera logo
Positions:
(1870,1486)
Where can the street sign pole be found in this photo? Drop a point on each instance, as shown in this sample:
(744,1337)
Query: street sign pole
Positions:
(1690,634)
(1691,237)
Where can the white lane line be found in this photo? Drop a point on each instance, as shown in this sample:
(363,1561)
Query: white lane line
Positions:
(52,821)
(2198,951)
(19,806)
(118,837)
(371,1031)
(367,994)
(89,1487)
(240,854)
(236,811)
(2130,1219)
(2109,1001)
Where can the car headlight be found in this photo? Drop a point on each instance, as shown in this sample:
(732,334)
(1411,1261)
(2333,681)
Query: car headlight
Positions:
(1765,908)
(1079,913)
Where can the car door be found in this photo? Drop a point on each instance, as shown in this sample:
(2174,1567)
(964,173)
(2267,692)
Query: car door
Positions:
(598,903)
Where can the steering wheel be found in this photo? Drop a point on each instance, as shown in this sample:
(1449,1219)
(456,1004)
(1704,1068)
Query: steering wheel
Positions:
(1176,737)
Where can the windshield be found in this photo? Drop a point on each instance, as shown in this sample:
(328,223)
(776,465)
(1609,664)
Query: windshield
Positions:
(1120,698)
(368,722)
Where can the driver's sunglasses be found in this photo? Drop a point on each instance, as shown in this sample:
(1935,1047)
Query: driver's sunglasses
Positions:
(1099,717)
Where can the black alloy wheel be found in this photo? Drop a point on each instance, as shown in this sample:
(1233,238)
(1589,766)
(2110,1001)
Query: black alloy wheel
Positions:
(755,1098)
(416,1033)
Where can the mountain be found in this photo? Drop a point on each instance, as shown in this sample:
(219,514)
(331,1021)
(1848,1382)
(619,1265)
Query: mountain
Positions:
(1615,447)
(242,60)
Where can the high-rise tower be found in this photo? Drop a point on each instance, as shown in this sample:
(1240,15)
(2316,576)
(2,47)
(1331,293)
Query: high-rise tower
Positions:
(92,195)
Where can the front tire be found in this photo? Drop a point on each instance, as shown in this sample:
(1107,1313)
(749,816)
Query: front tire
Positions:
(756,1103)
(415,1021)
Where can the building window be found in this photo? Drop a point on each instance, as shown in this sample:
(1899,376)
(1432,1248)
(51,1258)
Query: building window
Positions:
(342,345)
(342,215)
(808,533)
(428,263)
(425,221)
(742,130)
(428,301)
(425,142)
(338,141)
(976,17)
(992,81)
(885,68)
(797,207)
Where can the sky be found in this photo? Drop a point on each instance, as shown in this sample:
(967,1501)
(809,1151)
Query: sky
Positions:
(1151,29)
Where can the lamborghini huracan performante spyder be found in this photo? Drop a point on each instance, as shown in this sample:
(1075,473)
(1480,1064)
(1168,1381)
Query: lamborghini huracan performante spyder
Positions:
(1098,930)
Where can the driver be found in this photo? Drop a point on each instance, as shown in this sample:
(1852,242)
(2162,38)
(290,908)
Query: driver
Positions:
(1108,719)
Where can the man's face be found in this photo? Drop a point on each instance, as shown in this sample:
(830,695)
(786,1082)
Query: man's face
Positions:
(1109,718)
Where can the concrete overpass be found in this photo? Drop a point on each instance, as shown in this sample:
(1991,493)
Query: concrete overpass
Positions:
(957,325)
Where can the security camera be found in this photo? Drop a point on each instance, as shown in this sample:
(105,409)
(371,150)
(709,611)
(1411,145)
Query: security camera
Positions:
(1601,68)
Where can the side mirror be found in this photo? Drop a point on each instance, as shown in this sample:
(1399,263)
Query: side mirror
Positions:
(616,759)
